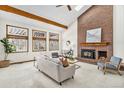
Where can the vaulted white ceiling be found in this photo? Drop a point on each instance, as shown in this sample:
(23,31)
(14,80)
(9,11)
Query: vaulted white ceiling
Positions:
(58,14)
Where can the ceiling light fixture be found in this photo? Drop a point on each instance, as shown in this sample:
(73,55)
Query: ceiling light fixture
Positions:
(78,7)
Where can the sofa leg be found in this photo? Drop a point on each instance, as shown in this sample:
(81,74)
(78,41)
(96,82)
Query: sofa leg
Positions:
(72,77)
(60,83)
(98,67)
(104,71)
(119,73)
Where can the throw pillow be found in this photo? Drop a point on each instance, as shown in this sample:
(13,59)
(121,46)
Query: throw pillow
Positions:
(64,61)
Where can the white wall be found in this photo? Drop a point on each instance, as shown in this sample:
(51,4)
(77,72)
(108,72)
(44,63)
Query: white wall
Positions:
(118,31)
(17,57)
(70,34)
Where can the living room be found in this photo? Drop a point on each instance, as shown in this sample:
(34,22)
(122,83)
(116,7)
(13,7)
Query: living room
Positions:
(54,33)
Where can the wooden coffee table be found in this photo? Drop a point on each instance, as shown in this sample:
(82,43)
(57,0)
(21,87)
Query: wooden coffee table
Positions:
(74,62)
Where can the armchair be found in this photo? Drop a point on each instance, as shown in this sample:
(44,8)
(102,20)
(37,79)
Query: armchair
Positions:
(114,64)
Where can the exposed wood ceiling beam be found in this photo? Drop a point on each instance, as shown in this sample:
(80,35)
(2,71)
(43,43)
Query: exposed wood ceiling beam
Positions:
(29,15)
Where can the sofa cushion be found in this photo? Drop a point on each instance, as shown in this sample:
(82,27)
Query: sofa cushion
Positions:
(55,60)
(110,66)
(40,58)
(47,57)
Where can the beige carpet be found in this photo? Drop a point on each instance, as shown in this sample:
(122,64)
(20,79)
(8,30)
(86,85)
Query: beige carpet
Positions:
(26,76)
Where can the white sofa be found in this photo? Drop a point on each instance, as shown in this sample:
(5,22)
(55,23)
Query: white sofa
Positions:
(53,68)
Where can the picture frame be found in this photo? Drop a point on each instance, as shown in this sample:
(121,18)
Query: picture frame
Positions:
(94,35)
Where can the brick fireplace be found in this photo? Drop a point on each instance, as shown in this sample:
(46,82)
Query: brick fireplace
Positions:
(96,17)
(92,54)
(95,52)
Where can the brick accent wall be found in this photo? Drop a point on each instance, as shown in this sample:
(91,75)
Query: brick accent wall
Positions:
(95,17)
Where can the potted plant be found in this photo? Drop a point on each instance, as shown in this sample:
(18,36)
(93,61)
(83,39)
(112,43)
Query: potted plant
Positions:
(8,48)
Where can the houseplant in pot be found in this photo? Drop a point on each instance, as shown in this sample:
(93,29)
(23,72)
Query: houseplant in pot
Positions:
(8,48)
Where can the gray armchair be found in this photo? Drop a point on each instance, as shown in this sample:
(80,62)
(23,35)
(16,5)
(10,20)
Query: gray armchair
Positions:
(114,64)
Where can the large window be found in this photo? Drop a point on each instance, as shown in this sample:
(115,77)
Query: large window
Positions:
(53,41)
(39,40)
(18,36)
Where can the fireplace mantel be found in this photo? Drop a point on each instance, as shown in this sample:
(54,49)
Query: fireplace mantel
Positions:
(95,44)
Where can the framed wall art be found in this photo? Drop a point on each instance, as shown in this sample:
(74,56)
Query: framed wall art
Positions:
(53,41)
(18,36)
(38,40)
(94,35)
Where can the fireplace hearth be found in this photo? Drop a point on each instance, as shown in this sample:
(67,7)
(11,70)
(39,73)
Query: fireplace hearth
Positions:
(89,54)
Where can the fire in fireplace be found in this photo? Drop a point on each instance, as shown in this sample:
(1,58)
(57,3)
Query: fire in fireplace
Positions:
(86,53)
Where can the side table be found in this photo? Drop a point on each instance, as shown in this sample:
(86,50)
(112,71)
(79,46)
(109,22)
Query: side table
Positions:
(122,66)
